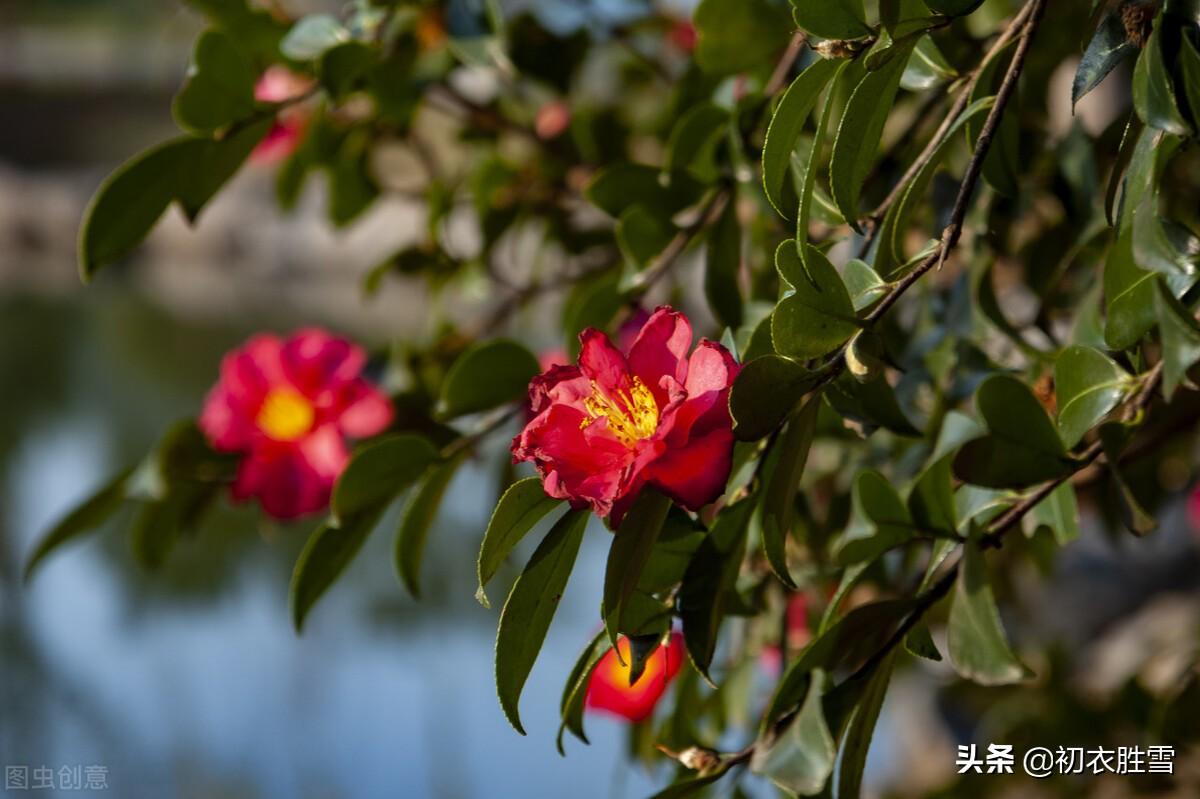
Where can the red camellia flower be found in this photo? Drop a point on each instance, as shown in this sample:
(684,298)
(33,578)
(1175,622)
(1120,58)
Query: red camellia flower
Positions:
(287,407)
(618,421)
(609,689)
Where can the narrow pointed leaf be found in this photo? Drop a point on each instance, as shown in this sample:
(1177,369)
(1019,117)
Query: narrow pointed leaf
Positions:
(522,506)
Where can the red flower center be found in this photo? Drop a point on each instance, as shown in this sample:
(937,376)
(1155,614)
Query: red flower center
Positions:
(632,414)
(285,415)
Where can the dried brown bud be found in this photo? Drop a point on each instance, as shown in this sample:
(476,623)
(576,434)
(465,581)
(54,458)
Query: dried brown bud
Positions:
(1043,389)
(696,758)
(838,48)
(1138,19)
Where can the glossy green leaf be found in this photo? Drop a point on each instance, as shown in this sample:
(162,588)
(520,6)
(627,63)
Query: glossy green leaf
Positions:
(1022,446)
(678,541)
(1109,46)
(1129,294)
(872,404)
(831,19)
(927,67)
(723,261)
(379,472)
(1189,66)
(978,647)
(779,494)
(723,27)
(418,518)
(631,548)
(1087,385)
(710,578)
(487,375)
(794,108)
(85,517)
(1180,339)
(856,743)
(642,235)
(864,284)
(815,316)
(1114,438)
(1153,88)
(766,390)
(860,129)
(880,520)
(801,758)
(325,556)
(694,141)
(623,185)
(211,164)
(953,8)
(576,688)
(219,89)
(804,165)
(530,608)
(522,506)
(1060,512)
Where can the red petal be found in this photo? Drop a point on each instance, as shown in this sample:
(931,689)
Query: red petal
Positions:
(247,374)
(583,466)
(316,361)
(660,349)
(601,362)
(609,687)
(293,480)
(367,410)
(695,474)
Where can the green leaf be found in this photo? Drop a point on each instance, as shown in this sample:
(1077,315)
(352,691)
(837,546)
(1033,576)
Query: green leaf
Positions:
(130,202)
(831,19)
(255,29)
(816,315)
(1153,88)
(631,548)
(219,89)
(575,691)
(1022,446)
(864,284)
(1114,437)
(1060,512)
(85,517)
(723,261)
(522,506)
(794,108)
(804,167)
(325,556)
(849,642)
(681,536)
(694,141)
(530,609)
(872,404)
(880,520)
(1087,385)
(978,647)
(158,523)
(487,375)
(623,185)
(642,235)
(1001,166)
(927,67)
(212,163)
(418,518)
(1129,293)
(857,741)
(1189,66)
(860,130)
(723,28)
(710,579)
(953,8)
(1108,48)
(1180,339)
(344,67)
(311,36)
(779,495)
(801,758)
(379,472)
(765,392)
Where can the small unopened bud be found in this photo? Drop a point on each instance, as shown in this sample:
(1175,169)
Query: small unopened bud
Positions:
(553,119)
(696,758)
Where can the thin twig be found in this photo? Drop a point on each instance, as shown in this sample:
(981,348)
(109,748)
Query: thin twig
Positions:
(782,69)
(678,245)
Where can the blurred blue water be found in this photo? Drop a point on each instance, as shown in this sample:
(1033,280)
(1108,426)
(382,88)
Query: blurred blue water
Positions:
(203,689)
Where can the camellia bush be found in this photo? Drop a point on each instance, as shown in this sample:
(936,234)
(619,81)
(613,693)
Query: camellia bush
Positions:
(852,320)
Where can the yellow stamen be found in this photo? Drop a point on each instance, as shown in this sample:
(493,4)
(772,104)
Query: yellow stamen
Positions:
(632,415)
(285,415)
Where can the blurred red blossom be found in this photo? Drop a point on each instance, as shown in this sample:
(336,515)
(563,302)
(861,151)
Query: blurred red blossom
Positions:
(552,120)
(277,85)
(616,422)
(287,405)
(609,689)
